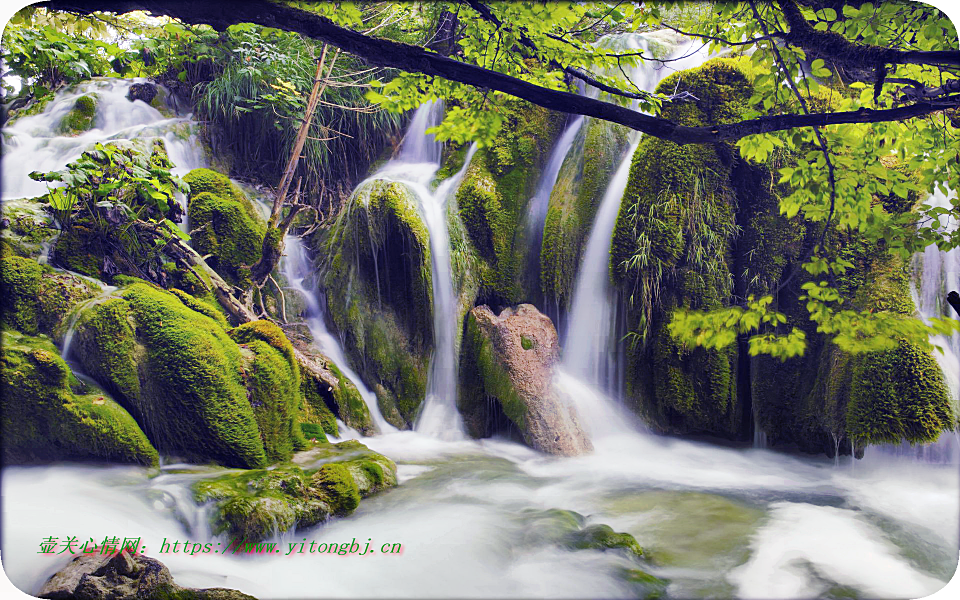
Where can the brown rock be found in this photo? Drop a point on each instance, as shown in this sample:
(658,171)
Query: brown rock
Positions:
(123,576)
(514,358)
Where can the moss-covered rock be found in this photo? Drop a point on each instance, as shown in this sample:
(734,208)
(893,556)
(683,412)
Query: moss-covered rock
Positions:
(671,248)
(210,181)
(328,480)
(603,537)
(182,377)
(597,150)
(493,201)
(81,117)
(379,287)
(35,297)
(48,415)
(329,395)
(272,378)
(222,229)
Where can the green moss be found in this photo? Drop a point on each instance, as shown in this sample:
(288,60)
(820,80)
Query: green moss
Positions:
(272,376)
(339,488)
(207,180)
(493,200)
(313,432)
(898,395)
(224,230)
(527,343)
(44,420)
(379,287)
(328,480)
(315,409)
(164,359)
(81,117)
(595,154)
(78,250)
(20,278)
(603,537)
(671,248)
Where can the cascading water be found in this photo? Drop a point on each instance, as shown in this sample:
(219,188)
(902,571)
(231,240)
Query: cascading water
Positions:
(33,144)
(297,269)
(591,348)
(415,166)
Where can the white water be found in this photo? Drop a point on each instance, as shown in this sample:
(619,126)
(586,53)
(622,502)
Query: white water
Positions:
(297,269)
(32,144)
(415,167)
(590,349)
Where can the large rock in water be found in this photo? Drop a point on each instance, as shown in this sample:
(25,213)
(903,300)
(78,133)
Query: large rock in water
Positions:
(124,576)
(512,358)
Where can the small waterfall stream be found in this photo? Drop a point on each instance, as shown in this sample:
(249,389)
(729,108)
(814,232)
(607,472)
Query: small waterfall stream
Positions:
(297,268)
(591,348)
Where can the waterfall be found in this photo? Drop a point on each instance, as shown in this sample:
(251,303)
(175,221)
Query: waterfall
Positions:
(33,144)
(297,268)
(415,166)
(590,350)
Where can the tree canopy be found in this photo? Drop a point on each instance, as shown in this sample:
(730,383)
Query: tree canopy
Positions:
(839,87)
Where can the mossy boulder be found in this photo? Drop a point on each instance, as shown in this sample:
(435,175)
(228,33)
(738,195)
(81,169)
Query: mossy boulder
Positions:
(30,228)
(378,282)
(223,231)
(197,394)
(671,248)
(329,395)
(272,378)
(832,401)
(35,297)
(493,202)
(81,116)
(326,481)
(496,363)
(48,415)
(207,180)
(595,154)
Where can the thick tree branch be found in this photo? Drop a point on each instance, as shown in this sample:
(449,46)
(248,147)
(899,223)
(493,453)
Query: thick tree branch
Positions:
(409,58)
(834,46)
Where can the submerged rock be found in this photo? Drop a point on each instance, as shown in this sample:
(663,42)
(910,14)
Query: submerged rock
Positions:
(512,358)
(328,480)
(124,576)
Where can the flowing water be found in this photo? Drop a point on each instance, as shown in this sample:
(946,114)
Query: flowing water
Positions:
(32,143)
(297,268)
(480,518)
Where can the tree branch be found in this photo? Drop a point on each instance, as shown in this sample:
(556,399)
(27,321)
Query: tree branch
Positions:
(409,58)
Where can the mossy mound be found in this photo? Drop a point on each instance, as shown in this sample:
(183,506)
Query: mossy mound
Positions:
(493,201)
(222,228)
(827,398)
(35,297)
(30,227)
(185,380)
(48,415)
(210,181)
(81,117)
(327,481)
(272,377)
(596,152)
(671,248)
(379,287)
(603,537)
